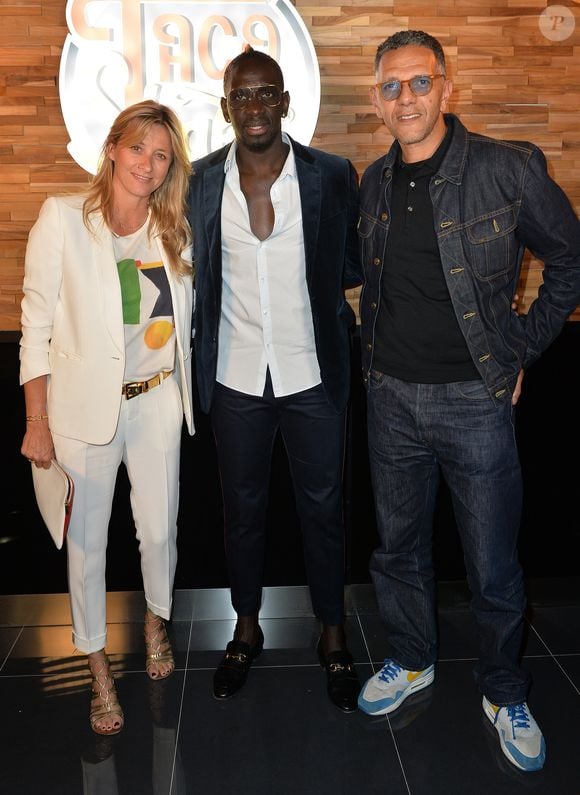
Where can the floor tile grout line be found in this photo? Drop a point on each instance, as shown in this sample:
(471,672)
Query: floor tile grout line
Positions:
(375,665)
(553,656)
(178,727)
(402,766)
(538,636)
(372,664)
(364,637)
(11,649)
(563,670)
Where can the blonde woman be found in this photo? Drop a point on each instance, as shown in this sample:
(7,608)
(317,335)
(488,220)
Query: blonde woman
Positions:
(105,366)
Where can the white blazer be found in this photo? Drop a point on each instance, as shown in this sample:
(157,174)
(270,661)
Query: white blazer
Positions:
(72,322)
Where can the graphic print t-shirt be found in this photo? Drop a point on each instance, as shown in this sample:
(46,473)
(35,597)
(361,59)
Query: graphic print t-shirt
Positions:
(147,307)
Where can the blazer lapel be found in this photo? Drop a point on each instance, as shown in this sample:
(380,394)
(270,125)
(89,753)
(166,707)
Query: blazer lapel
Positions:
(309,182)
(213,183)
(106,265)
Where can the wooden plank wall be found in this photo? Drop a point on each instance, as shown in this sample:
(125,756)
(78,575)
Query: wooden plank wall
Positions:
(511,81)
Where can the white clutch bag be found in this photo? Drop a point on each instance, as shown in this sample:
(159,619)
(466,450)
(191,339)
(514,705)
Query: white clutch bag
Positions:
(54,490)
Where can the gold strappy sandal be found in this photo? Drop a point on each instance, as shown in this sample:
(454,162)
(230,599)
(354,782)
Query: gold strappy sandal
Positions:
(104,701)
(158,647)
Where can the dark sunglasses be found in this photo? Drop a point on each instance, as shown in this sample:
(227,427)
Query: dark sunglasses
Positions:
(271,96)
(420,85)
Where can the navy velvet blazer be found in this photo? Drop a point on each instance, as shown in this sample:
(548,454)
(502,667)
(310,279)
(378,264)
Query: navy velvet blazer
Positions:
(329,198)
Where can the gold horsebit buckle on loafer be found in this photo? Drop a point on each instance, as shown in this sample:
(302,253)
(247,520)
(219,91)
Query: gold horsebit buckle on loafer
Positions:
(241,658)
(335,667)
(135,388)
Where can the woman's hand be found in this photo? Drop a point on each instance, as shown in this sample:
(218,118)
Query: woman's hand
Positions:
(37,445)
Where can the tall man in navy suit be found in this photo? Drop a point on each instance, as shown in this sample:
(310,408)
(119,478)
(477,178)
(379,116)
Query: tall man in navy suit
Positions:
(275,244)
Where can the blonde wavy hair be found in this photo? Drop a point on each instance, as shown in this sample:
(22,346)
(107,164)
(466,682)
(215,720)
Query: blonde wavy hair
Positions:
(168,202)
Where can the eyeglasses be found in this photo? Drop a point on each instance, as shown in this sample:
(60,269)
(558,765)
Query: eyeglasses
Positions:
(420,85)
(271,96)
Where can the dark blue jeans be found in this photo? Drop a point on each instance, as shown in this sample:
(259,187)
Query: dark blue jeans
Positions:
(245,429)
(416,433)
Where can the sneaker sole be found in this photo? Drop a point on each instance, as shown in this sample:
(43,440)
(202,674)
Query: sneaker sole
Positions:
(370,707)
(535,764)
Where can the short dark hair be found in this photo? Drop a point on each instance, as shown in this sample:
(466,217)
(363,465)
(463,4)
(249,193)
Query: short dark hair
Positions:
(404,38)
(250,54)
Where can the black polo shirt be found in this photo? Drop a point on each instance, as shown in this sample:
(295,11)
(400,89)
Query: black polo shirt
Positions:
(417,336)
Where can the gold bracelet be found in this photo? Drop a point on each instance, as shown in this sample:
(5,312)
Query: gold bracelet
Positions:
(36,417)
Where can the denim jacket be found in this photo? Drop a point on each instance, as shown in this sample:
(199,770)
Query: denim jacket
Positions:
(491,200)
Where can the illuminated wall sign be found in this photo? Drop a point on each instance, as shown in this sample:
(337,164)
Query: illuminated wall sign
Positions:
(121,51)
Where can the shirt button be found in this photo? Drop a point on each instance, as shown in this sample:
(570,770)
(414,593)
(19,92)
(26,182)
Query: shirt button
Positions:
(384,216)
(369,347)
(376,261)
(373,305)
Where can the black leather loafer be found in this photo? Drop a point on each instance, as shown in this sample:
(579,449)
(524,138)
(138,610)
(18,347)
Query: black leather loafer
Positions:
(233,669)
(343,686)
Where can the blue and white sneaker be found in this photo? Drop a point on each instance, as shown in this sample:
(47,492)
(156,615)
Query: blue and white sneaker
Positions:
(520,736)
(387,690)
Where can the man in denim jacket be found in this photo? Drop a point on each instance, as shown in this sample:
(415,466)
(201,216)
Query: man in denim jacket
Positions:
(445,219)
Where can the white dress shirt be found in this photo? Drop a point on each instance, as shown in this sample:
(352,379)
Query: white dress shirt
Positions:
(266,319)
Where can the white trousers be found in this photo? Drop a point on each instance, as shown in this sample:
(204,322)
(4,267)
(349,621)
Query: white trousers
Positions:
(148,441)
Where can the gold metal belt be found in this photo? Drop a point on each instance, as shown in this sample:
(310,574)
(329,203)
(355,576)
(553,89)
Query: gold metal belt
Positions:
(135,388)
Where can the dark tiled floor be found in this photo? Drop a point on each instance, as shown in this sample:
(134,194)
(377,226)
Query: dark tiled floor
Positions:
(280,735)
